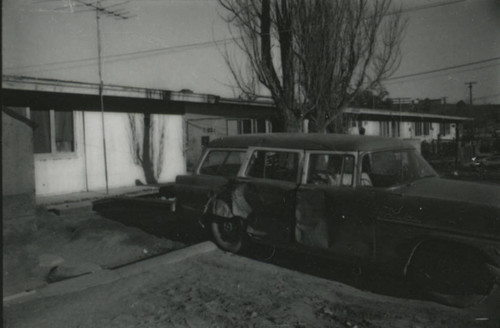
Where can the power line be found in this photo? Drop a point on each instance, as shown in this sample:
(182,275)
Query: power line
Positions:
(430,6)
(129,54)
(487,96)
(442,74)
(443,69)
(119,14)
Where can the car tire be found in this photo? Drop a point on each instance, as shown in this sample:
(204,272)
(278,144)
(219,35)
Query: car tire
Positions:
(228,233)
(452,275)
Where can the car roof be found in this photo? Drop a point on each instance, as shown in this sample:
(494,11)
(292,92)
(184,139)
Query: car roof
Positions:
(311,141)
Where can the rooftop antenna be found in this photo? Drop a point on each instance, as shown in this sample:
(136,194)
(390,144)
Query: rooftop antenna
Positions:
(116,12)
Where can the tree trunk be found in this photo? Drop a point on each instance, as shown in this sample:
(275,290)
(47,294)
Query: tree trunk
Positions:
(147,164)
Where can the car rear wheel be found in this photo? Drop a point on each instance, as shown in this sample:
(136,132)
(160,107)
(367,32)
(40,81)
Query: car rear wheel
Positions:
(228,233)
(454,275)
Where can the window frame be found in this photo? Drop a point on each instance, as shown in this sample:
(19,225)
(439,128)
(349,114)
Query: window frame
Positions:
(426,128)
(360,168)
(54,154)
(208,150)
(418,129)
(385,128)
(254,125)
(370,154)
(445,129)
(307,159)
(395,129)
(251,150)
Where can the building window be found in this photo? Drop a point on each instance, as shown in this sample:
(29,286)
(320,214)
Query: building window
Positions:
(427,128)
(54,132)
(384,128)
(422,128)
(444,129)
(418,128)
(245,127)
(395,129)
(248,126)
(260,126)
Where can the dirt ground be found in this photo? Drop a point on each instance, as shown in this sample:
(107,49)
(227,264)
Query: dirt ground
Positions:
(46,248)
(211,290)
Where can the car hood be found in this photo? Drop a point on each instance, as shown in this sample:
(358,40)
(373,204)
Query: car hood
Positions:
(454,190)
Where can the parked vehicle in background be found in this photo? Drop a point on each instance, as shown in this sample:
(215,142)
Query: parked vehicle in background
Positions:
(486,161)
(369,200)
(476,161)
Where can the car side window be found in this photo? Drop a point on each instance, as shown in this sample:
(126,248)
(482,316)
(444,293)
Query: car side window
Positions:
(331,169)
(366,170)
(391,168)
(274,165)
(381,169)
(222,163)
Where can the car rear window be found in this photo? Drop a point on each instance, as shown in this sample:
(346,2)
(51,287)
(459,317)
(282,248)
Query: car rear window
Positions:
(222,162)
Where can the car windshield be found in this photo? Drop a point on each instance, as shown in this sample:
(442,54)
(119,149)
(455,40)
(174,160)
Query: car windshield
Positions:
(392,168)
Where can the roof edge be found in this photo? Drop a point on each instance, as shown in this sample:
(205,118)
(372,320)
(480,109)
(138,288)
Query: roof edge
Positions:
(391,113)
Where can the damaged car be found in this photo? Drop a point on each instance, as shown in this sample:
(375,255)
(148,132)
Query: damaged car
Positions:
(367,200)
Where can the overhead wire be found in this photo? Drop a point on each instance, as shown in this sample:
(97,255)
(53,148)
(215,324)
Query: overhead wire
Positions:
(443,69)
(122,56)
(422,76)
(181,47)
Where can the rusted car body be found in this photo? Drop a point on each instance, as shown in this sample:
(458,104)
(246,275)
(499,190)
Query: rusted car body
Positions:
(370,200)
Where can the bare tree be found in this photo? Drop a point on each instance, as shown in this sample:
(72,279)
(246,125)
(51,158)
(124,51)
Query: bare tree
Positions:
(147,144)
(315,57)
(263,34)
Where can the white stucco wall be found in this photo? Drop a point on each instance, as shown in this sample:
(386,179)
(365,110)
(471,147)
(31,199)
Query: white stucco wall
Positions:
(372,128)
(63,172)
(405,130)
(84,169)
(174,162)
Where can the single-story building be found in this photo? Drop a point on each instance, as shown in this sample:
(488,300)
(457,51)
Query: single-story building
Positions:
(80,145)
(405,125)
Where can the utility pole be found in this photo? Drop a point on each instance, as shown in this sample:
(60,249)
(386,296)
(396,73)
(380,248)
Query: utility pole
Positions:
(101,89)
(118,14)
(470,84)
(399,102)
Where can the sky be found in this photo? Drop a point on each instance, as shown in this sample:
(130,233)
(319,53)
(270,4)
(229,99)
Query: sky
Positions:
(175,44)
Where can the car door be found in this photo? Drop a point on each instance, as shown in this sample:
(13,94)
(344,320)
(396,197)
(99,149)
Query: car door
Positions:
(216,167)
(267,186)
(384,204)
(329,213)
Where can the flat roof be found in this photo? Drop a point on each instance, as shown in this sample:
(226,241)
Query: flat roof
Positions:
(86,88)
(75,95)
(393,113)
(311,141)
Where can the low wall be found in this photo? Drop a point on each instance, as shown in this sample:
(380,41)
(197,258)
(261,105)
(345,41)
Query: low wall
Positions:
(18,177)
